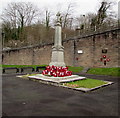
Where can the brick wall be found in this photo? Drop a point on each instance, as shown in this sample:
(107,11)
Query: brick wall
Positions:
(91,47)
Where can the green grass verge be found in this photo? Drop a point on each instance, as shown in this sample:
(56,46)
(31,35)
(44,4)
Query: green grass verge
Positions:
(105,71)
(86,83)
(75,69)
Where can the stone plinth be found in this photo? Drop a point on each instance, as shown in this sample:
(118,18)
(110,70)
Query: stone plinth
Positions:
(57,79)
(57,58)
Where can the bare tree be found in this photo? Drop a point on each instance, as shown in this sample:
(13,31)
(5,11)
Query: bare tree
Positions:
(46,17)
(20,14)
(81,21)
(102,11)
(66,16)
(47,20)
(102,14)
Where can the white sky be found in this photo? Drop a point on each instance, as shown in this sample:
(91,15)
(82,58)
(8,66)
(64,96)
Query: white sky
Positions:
(82,6)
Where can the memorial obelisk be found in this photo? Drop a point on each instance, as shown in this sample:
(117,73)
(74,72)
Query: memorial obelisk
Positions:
(57,58)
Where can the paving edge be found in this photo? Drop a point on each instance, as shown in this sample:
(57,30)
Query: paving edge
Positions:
(89,89)
(77,89)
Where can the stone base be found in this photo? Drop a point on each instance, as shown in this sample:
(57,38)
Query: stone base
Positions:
(57,58)
(56,79)
(59,81)
(58,64)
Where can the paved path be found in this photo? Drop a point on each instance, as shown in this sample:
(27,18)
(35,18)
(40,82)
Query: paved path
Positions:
(22,97)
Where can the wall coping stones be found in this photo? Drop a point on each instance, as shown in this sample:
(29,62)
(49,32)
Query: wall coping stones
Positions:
(68,39)
(98,33)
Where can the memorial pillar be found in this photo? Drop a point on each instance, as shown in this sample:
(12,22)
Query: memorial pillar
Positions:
(57,58)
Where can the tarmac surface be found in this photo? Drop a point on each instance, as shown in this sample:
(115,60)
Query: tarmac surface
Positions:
(22,97)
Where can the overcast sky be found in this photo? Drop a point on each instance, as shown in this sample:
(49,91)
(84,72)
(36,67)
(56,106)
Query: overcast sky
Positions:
(81,6)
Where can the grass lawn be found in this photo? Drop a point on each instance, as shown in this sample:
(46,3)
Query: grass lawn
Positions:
(105,71)
(75,69)
(86,83)
(96,71)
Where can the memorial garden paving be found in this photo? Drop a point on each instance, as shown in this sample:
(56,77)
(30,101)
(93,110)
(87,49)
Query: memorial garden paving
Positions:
(22,97)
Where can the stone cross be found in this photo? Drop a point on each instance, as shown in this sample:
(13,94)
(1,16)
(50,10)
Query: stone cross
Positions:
(57,58)
(58,17)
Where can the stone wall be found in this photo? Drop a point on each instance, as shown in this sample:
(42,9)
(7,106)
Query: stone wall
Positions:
(92,47)
(83,51)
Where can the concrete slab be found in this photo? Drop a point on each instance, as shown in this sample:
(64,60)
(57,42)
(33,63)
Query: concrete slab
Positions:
(57,79)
